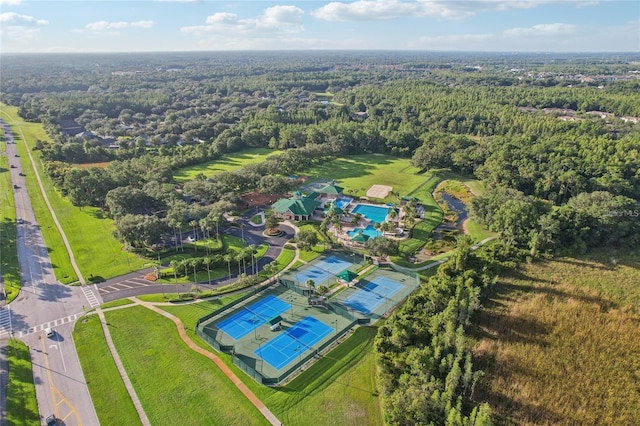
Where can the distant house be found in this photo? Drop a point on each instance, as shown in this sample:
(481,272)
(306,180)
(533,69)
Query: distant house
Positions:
(360,115)
(295,208)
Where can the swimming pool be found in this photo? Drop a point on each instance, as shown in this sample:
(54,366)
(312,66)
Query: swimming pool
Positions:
(341,203)
(369,231)
(373,213)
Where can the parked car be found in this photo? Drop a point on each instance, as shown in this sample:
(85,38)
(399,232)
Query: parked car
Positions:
(21,174)
(50,332)
(51,420)
(13,166)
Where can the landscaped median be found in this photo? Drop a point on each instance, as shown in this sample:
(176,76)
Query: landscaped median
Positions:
(22,405)
(9,267)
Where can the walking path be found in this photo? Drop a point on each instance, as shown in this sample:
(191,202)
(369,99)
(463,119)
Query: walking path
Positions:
(185,338)
(123,373)
(223,367)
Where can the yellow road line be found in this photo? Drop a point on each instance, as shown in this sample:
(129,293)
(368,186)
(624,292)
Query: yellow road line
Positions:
(55,391)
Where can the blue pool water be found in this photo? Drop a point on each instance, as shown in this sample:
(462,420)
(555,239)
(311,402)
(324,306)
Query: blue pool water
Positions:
(374,213)
(370,231)
(341,203)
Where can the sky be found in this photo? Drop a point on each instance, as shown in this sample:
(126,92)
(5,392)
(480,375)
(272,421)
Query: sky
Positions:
(28,26)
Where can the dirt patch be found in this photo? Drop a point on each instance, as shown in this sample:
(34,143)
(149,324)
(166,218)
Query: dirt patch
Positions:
(102,165)
(256,199)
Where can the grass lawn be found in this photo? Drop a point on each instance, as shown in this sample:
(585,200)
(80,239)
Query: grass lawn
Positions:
(233,245)
(22,406)
(116,303)
(339,389)
(10,267)
(189,313)
(359,172)
(172,381)
(228,163)
(558,342)
(90,235)
(285,258)
(109,395)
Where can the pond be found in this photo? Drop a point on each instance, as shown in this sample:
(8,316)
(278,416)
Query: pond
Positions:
(452,228)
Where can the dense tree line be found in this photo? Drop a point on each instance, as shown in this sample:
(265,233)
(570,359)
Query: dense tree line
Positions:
(424,354)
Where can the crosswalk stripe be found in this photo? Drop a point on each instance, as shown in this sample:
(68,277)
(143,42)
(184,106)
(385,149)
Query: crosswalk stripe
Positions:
(91,298)
(40,327)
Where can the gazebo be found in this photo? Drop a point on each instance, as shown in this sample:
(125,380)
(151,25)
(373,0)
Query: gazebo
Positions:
(360,238)
(347,275)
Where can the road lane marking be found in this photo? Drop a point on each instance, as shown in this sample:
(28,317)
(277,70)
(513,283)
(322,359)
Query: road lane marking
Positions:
(39,327)
(54,391)
(91,298)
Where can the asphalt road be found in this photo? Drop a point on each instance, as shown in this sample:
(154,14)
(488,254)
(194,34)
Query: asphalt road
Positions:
(135,284)
(42,303)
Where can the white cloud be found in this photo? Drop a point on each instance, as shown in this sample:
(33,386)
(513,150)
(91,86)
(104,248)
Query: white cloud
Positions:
(19,33)
(20,28)
(558,37)
(542,30)
(368,10)
(100,27)
(274,22)
(10,2)
(375,10)
(22,20)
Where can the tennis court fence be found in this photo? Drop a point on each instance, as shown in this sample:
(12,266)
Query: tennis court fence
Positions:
(245,362)
(251,293)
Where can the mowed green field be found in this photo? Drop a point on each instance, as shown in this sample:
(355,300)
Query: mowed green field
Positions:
(558,342)
(89,233)
(108,393)
(21,404)
(10,268)
(229,163)
(358,173)
(175,384)
(339,389)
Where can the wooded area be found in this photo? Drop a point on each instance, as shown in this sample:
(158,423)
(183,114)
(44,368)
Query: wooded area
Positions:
(556,143)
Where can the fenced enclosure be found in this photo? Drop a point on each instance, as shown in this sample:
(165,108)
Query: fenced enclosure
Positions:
(272,334)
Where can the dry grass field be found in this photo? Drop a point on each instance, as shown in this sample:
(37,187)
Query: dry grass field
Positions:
(559,342)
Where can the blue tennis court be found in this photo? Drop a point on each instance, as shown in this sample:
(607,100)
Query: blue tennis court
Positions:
(253,316)
(372,295)
(321,271)
(283,349)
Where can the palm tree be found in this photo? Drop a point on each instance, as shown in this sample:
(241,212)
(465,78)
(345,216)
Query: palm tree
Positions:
(239,258)
(252,249)
(392,214)
(228,258)
(193,224)
(311,284)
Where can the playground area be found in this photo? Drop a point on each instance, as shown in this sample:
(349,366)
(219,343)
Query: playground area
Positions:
(276,332)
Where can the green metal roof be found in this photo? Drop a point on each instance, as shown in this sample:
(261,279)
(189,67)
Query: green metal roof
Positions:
(331,189)
(302,206)
(275,320)
(347,275)
(360,237)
